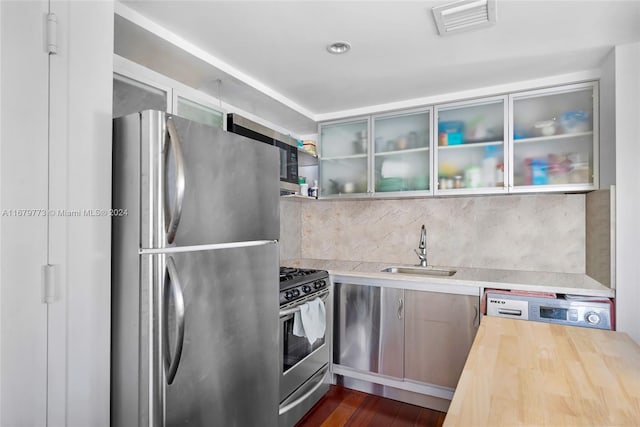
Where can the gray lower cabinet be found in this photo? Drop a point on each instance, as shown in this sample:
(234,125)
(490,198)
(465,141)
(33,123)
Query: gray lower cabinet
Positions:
(438,333)
(419,338)
(369,328)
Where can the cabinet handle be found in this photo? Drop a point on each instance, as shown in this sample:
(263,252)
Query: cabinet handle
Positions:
(400,307)
(476,316)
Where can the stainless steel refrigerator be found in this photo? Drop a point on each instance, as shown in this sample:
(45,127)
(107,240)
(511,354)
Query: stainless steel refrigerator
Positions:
(194,275)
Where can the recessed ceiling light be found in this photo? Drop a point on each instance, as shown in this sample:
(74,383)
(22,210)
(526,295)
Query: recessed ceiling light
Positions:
(339,47)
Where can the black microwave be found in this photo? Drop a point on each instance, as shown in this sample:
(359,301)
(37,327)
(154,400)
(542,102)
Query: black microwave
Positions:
(287,146)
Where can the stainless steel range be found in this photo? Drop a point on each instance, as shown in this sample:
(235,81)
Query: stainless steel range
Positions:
(304,366)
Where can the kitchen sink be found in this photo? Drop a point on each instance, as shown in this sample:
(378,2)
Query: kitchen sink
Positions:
(421,271)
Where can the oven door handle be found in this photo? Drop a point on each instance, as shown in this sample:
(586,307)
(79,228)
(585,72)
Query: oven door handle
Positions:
(283,410)
(288,311)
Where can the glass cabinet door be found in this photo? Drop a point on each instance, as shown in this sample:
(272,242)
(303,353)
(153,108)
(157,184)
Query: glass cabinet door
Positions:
(199,113)
(553,138)
(401,151)
(344,152)
(470,154)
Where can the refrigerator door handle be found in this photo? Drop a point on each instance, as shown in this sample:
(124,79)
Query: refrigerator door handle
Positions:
(176,209)
(174,290)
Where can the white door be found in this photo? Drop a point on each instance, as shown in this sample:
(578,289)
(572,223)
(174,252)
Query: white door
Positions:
(23,238)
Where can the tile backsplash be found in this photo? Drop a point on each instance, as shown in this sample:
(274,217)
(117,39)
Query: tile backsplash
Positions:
(543,232)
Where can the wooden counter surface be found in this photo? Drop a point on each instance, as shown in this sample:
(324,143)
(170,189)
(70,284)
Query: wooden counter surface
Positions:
(522,373)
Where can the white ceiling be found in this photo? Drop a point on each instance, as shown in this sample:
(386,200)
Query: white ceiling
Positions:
(279,46)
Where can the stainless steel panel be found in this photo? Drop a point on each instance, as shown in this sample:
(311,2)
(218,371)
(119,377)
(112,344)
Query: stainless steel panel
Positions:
(231,183)
(136,374)
(440,329)
(228,373)
(303,399)
(369,328)
(130,308)
(232,187)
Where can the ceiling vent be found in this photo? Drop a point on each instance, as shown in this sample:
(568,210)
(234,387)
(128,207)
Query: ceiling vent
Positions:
(464,15)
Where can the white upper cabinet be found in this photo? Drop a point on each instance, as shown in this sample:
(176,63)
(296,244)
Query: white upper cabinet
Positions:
(554,139)
(471,154)
(542,140)
(344,157)
(401,159)
(199,112)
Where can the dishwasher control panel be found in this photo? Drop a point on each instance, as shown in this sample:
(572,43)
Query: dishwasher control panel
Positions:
(596,312)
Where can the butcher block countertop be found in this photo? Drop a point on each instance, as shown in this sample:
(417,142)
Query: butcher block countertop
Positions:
(522,373)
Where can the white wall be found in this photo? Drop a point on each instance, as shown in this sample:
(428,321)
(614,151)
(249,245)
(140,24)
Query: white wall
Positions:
(627,100)
(63,163)
(88,62)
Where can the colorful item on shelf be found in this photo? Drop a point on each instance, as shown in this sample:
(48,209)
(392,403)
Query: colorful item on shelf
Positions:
(309,147)
(450,132)
(539,175)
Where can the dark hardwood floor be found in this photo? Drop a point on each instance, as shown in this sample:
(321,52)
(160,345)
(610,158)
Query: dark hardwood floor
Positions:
(345,407)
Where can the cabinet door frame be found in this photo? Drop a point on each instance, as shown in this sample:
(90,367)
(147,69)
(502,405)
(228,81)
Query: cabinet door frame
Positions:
(132,71)
(505,159)
(200,98)
(372,150)
(135,73)
(557,90)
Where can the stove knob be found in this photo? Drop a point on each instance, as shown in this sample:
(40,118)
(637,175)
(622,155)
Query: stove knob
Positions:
(319,284)
(295,293)
(592,318)
(306,289)
(288,295)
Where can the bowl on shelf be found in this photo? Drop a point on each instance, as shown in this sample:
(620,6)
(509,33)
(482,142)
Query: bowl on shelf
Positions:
(391,184)
(545,127)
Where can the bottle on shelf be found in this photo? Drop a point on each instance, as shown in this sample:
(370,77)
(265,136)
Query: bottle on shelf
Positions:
(304,187)
(313,191)
(489,164)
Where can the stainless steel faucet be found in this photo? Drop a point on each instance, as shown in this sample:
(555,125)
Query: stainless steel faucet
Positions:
(423,247)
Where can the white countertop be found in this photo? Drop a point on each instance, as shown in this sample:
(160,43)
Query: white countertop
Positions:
(563,283)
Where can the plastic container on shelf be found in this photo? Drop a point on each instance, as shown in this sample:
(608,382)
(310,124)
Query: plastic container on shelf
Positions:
(575,121)
(304,187)
(580,172)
